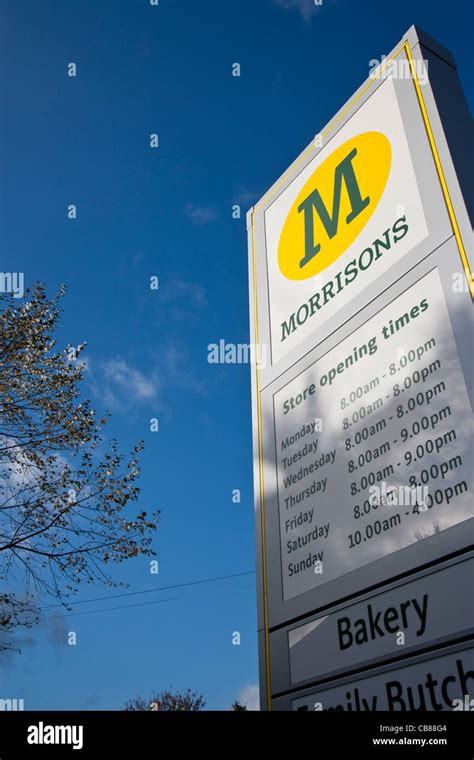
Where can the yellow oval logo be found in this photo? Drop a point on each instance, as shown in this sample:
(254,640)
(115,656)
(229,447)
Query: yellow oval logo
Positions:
(334,206)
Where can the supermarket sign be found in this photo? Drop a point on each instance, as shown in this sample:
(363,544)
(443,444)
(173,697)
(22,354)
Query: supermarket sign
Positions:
(345,219)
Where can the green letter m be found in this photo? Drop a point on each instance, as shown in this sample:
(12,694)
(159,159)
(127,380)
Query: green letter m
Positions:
(345,171)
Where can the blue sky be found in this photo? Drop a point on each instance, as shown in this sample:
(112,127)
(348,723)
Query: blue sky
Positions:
(168,212)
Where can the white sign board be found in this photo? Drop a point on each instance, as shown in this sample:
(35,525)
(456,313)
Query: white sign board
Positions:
(444,683)
(385,624)
(392,463)
(396,219)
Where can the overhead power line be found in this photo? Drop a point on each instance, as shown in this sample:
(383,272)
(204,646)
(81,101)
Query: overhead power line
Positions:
(121,607)
(126,606)
(150,590)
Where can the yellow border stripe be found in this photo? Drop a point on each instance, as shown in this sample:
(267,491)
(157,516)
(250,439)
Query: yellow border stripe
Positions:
(439,168)
(260,460)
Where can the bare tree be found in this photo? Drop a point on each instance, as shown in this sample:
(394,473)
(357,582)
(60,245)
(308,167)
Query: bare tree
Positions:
(166,701)
(63,493)
(238,707)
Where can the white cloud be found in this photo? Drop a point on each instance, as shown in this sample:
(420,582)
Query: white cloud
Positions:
(118,384)
(129,379)
(306,8)
(200,215)
(177,372)
(180,301)
(17,470)
(246,197)
(182,292)
(249,696)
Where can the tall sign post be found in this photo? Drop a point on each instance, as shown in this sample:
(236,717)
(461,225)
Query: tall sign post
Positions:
(360,260)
